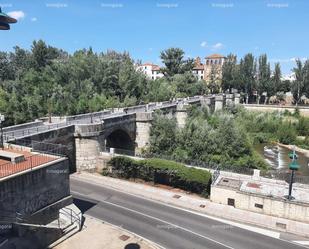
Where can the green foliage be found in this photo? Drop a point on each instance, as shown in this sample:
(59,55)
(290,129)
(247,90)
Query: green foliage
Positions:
(163,172)
(286,134)
(49,81)
(173,59)
(211,138)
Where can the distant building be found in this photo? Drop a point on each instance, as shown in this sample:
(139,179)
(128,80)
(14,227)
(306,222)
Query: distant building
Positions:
(152,71)
(290,77)
(198,69)
(213,63)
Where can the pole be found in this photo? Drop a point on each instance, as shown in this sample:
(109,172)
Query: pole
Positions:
(291,185)
(1,135)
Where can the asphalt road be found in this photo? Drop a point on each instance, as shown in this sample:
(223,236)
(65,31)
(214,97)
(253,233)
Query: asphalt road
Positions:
(167,226)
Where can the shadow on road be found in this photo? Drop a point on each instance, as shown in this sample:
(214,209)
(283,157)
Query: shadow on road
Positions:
(84,205)
(132,246)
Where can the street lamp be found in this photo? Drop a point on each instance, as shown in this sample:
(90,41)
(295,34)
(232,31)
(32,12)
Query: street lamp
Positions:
(5,21)
(1,125)
(293,167)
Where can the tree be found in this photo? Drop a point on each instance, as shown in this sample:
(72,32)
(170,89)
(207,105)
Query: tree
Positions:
(298,86)
(263,78)
(43,54)
(229,73)
(173,59)
(277,85)
(214,84)
(247,71)
(163,134)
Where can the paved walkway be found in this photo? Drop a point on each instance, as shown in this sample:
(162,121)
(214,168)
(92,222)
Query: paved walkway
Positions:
(98,235)
(193,202)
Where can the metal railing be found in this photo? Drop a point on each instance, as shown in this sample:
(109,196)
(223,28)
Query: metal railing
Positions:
(285,176)
(72,215)
(40,147)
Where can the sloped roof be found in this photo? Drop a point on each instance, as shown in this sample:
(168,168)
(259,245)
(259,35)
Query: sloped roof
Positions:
(215,56)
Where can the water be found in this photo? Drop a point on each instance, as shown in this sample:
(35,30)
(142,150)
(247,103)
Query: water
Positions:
(277,157)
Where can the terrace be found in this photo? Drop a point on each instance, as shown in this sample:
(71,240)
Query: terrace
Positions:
(15,159)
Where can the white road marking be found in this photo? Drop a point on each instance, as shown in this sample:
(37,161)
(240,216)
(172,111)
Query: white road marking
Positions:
(163,221)
(262,231)
(302,242)
(250,228)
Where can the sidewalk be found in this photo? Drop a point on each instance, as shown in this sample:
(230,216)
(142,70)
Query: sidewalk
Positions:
(98,235)
(201,205)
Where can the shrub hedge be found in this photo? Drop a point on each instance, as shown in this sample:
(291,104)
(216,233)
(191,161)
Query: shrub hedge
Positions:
(163,172)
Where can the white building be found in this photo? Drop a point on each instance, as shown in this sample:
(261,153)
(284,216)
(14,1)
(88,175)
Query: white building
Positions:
(152,71)
(291,77)
(198,69)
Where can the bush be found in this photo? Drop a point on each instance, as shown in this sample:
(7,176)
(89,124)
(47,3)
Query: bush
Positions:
(286,134)
(163,172)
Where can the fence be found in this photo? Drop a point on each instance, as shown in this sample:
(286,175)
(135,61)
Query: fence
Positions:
(40,147)
(29,163)
(285,176)
(11,135)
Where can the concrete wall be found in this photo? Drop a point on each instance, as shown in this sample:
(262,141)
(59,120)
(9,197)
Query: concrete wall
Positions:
(304,111)
(31,191)
(271,206)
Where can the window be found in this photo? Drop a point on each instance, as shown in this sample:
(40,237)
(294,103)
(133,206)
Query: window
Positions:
(201,77)
(152,77)
(231,202)
(258,205)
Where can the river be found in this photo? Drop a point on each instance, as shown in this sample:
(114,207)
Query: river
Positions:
(277,157)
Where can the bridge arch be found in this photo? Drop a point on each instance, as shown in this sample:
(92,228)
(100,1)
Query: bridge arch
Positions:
(120,139)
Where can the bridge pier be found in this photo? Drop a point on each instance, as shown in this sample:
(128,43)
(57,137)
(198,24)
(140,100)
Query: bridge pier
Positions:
(229,99)
(181,114)
(219,102)
(87,146)
(143,125)
(237,99)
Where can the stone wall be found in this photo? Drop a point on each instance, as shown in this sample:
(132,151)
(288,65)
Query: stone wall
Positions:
(304,111)
(270,206)
(87,152)
(28,192)
(143,125)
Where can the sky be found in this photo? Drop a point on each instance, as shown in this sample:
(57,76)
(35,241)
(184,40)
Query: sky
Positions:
(143,28)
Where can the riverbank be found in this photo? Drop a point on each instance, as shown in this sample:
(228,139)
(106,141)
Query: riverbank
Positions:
(298,149)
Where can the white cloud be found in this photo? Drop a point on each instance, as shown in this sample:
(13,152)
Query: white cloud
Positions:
(34,19)
(17,14)
(203,44)
(217,46)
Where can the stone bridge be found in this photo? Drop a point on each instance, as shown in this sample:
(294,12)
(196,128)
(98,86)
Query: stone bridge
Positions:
(125,130)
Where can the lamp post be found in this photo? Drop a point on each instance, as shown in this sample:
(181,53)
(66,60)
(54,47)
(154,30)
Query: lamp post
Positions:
(293,167)
(1,125)
(5,21)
